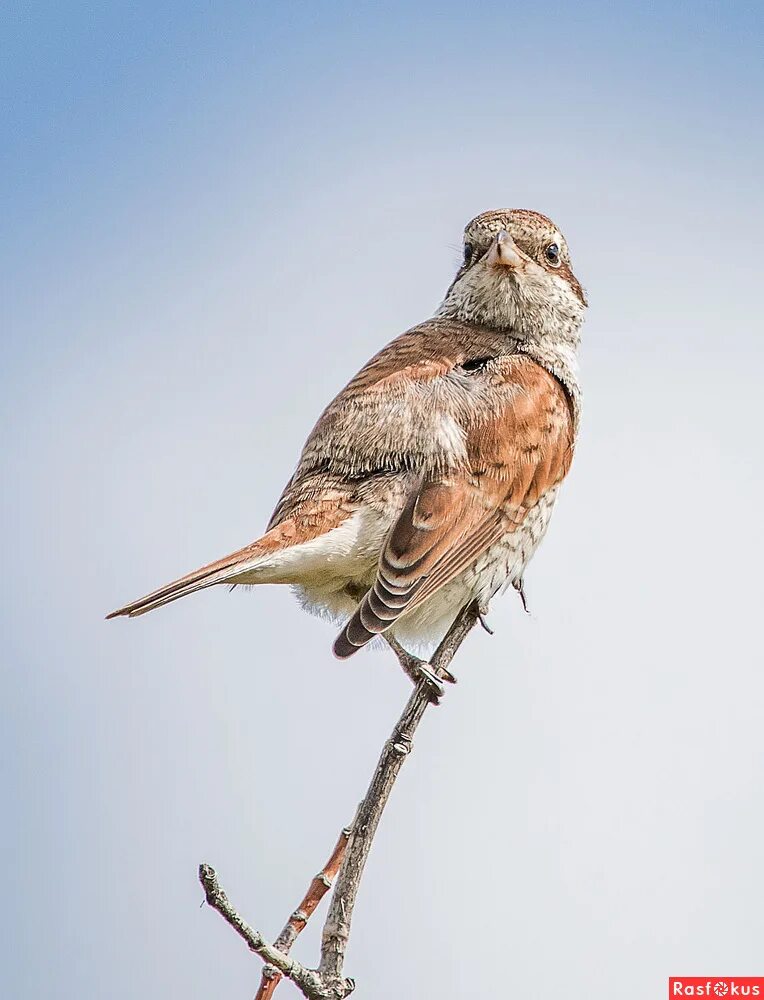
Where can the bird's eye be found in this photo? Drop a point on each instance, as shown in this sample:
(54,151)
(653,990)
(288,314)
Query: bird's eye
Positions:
(552,254)
(468,251)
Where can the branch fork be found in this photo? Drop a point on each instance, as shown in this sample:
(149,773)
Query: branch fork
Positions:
(348,859)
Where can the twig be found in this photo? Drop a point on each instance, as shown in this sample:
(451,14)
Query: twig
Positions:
(308,981)
(327,982)
(396,749)
(317,889)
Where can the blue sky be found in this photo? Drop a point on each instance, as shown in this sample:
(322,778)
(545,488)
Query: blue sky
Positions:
(211,215)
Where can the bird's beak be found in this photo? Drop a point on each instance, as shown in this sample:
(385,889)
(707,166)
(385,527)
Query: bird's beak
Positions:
(505,253)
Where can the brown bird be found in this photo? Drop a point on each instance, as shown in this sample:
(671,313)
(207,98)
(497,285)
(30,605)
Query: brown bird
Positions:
(429,481)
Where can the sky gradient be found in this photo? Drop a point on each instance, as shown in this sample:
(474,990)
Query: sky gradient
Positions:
(212,215)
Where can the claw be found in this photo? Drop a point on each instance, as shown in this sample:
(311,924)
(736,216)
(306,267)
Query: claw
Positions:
(482,611)
(433,680)
(518,585)
(485,624)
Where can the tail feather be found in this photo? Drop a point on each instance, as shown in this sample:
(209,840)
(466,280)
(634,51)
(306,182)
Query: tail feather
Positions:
(300,542)
(226,570)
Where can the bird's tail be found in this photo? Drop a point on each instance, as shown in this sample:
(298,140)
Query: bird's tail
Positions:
(243,566)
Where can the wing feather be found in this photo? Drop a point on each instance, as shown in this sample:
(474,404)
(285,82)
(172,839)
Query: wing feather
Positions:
(516,451)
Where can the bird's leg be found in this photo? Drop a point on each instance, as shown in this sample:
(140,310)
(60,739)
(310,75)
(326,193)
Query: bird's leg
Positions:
(416,668)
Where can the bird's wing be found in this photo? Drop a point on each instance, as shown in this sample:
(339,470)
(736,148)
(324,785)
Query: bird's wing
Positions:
(405,410)
(518,440)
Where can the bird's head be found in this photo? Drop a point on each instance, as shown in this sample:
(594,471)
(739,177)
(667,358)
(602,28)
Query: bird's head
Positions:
(516,275)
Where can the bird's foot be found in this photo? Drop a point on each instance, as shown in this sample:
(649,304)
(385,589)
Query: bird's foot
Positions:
(417,670)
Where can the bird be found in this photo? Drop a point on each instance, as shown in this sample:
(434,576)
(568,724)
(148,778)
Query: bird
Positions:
(429,481)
